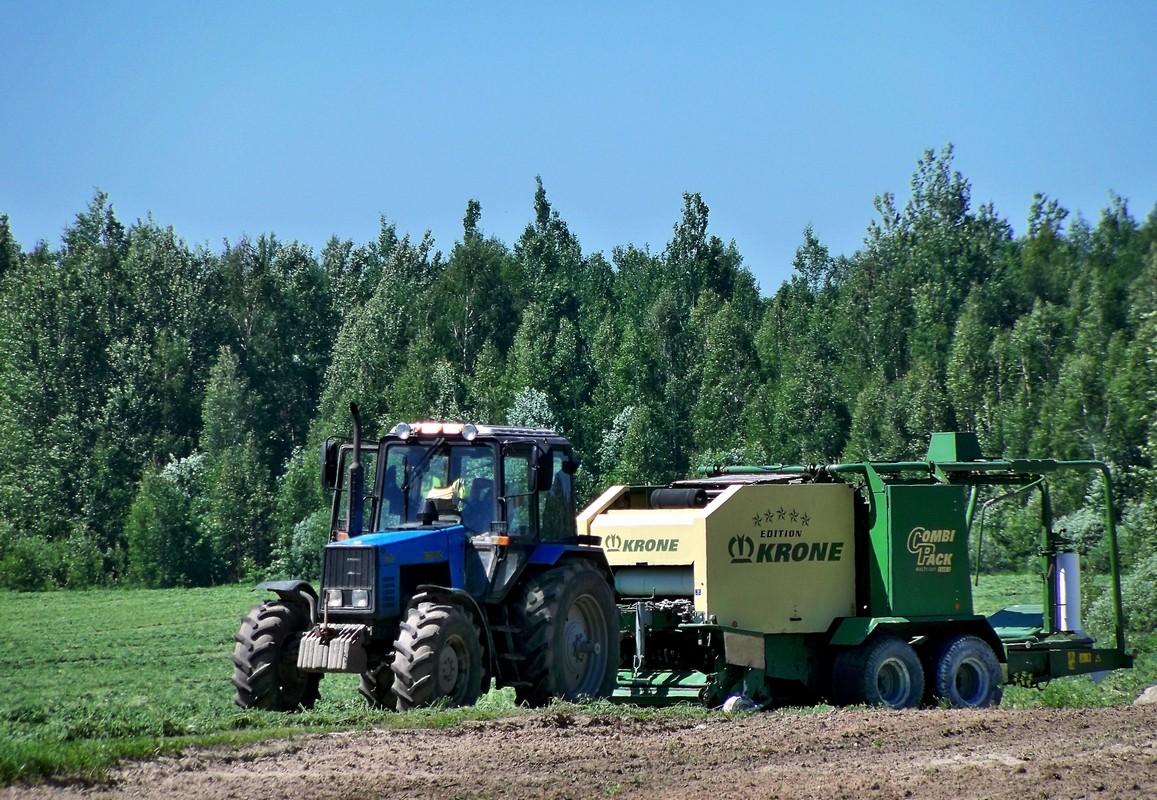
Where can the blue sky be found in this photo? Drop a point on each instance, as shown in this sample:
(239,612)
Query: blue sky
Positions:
(313,119)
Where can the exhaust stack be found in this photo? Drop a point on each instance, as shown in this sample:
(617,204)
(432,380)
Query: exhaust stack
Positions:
(356,482)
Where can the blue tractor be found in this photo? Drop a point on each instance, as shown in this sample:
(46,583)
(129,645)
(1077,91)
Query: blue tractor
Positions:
(453,563)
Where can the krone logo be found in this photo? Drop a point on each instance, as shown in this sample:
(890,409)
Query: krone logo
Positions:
(741,549)
(614,542)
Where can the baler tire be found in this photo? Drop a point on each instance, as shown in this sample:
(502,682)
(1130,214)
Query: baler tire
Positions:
(967,674)
(570,635)
(265,673)
(376,685)
(883,671)
(437,657)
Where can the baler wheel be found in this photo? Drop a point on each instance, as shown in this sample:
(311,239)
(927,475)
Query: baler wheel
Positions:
(265,672)
(967,674)
(883,671)
(570,635)
(437,656)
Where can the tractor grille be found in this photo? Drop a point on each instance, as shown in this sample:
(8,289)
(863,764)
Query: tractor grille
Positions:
(349,568)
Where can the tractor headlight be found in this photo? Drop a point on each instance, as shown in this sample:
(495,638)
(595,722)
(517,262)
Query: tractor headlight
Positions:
(333,598)
(469,432)
(360,598)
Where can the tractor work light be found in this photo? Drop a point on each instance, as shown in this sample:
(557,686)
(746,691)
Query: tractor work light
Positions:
(467,431)
(402,431)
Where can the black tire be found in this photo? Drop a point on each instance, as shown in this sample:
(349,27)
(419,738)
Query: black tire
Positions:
(883,671)
(265,672)
(377,687)
(967,674)
(437,657)
(570,635)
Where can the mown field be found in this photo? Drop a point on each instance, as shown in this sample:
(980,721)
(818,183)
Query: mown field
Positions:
(92,678)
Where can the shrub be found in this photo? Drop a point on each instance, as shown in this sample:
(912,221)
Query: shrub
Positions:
(300,556)
(1138,600)
(27,564)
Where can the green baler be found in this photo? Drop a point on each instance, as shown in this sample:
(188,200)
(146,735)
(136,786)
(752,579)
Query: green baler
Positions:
(849,582)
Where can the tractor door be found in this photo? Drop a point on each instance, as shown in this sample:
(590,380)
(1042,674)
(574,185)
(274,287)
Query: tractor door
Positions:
(519,496)
(338,460)
(539,493)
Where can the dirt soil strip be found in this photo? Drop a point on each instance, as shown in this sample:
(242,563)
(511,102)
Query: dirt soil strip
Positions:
(1022,754)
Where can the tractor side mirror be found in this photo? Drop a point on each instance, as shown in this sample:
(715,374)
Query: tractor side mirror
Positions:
(330,450)
(541,469)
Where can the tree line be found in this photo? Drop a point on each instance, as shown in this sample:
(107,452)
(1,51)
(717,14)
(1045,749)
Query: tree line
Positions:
(161,405)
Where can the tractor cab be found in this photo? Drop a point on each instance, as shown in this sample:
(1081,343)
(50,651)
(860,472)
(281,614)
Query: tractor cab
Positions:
(493,481)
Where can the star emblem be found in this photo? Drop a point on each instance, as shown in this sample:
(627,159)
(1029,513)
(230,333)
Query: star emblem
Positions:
(805,519)
(782,513)
(758,518)
(794,516)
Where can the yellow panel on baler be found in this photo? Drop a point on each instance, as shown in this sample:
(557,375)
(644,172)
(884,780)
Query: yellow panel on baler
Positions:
(781,557)
(653,537)
(773,558)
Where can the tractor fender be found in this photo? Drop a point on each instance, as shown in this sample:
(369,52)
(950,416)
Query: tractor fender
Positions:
(548,555)
(298,592)
(538,558)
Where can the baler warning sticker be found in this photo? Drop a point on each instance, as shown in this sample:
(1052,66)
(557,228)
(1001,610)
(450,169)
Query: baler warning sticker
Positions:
(926,545)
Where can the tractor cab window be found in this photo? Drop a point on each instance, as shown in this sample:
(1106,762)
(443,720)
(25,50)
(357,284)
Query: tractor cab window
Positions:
(458,479)
(556,505)
(516,489)
(340,527)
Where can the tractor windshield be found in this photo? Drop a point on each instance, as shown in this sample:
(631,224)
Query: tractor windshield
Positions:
(457,478)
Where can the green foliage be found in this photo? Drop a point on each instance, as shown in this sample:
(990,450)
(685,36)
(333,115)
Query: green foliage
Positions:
(26,564)
(124,348)
(531,409)
(1138,601)
(237,512)
(300,555)
(165,547)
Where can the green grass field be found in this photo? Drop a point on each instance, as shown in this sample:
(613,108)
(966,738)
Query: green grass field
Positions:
(92,678)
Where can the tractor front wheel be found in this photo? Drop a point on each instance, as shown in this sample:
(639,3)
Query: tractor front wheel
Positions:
(265,672)
(377,687)
(967,674)
(570,635)
(437,656)
(883,671)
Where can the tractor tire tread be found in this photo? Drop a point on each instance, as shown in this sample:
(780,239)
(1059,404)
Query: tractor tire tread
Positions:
(538,613)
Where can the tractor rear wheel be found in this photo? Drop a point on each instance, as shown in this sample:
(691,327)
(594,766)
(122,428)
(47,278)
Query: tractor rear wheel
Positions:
(883,671)
(966,674)
(437,657)
(265,672)
(570,635)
